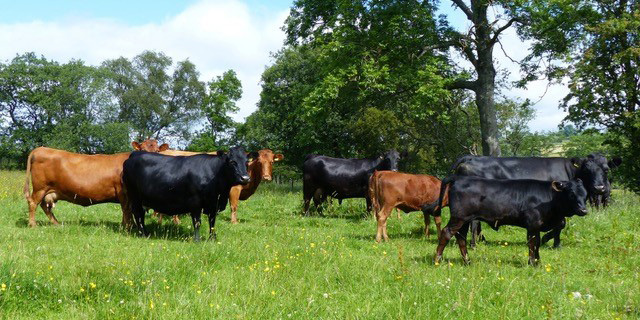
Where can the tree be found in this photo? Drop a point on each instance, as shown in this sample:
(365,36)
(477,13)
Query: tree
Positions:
(596,45)
(224,92)
(513,119)
(156,103)
(44,103)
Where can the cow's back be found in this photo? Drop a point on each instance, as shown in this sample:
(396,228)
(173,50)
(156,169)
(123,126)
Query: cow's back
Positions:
(78,178)
(537,168)
(409,192)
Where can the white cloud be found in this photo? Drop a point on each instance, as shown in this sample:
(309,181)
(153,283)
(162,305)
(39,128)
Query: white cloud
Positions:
(216,35)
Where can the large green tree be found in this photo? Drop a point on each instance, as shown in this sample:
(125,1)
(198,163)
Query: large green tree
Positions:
(159,100)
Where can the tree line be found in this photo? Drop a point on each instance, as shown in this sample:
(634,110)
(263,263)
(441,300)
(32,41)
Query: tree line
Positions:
(355,78)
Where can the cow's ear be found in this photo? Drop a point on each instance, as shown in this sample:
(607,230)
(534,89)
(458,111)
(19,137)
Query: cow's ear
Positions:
(135,145)
(252,156)
(278,157)
(163,147)
(558,186)
(404,154)
(615,162)
(577,162)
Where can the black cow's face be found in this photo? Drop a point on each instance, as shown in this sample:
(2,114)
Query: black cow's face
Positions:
(238,160)
(390,160)
(593,176)
(601,161)
(575,195)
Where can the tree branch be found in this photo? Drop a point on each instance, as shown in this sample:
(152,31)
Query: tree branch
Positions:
(464,8)
(503,28)
(463,84)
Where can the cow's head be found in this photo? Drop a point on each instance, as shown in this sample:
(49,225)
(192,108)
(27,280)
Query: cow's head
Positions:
(572,194)
(591,174)
(265,159)
(237,159)
(149,145)
(389,160)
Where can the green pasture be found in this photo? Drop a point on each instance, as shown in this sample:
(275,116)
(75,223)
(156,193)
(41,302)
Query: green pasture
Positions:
(277,264)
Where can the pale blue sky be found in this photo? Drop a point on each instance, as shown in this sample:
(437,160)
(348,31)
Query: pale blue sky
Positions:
(216,35)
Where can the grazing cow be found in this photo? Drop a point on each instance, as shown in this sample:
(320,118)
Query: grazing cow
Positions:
(407,192)
(260,168)
(77,178)
(532,204)
(180,185)
(537,168)
(342,178)
(606,165)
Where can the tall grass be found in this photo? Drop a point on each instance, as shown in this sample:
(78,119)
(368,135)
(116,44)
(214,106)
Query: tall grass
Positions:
(277,264)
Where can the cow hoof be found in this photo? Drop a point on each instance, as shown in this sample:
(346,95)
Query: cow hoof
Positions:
(32,224)
(234,221)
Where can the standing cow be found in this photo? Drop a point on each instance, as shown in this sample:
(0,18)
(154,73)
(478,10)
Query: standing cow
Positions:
(77,178)
(532,204)
(537,168)
(342,178)
(597,199)
(180,185)
(406,192)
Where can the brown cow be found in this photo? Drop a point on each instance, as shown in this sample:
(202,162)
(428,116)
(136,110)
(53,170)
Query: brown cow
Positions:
(407,192)
(77,178)
(260,168)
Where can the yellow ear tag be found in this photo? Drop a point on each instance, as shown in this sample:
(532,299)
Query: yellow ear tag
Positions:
(576,165)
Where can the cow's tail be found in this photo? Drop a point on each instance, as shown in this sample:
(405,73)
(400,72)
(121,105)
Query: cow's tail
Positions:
(26,190)
(373,190)
(435,207)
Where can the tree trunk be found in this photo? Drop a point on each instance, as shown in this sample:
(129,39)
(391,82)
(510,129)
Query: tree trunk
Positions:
(485,84)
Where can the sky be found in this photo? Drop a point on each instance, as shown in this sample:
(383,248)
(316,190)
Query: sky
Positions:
(216,35)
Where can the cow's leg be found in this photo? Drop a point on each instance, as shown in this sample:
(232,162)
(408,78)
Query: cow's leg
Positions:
(438,220)
(452,228)
(176,220)
(476,232)
(138,215)
(461,237)
(212,225)
(382,216)
(195,219)
(555,234)
(234,198)
(427,222)
(46,207)
(307,192)
(127,218)
(533,237)
(34,200)
(369,204)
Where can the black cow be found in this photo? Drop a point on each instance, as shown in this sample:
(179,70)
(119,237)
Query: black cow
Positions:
(342,178)
(597,199)
(537,168)
(182,184)
(532,204)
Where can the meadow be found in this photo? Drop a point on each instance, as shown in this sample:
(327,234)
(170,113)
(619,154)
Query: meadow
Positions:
(277,264)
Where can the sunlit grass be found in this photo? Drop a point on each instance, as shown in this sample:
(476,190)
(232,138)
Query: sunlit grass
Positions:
(278,264)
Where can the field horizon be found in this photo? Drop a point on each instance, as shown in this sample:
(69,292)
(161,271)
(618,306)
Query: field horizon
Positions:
(278,264)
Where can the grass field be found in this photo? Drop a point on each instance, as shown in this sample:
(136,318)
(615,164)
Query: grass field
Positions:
(277,264)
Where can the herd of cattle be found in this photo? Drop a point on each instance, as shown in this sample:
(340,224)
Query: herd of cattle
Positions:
(534,193)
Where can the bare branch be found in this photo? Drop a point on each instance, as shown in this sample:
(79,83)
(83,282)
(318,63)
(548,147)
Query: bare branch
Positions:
(464,8)
(506,55)
(503,28)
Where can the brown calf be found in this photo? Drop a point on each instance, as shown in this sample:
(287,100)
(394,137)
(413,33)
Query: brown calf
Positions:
(406,192)
(260,168)
(77,178)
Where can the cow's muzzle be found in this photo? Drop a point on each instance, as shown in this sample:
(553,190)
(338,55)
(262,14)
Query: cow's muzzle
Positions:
(267,177)
(599,188)
(582,212)
(245,179)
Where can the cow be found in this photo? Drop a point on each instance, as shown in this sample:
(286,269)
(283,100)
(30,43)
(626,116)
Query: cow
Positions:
(406,192)
(603,199)
(77,178)
(532,204)
(181,185)
(537,168)
(185,153)
(342,178)
(260,168)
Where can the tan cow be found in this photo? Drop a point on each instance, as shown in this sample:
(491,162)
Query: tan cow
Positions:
(77,178)
(406,192)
